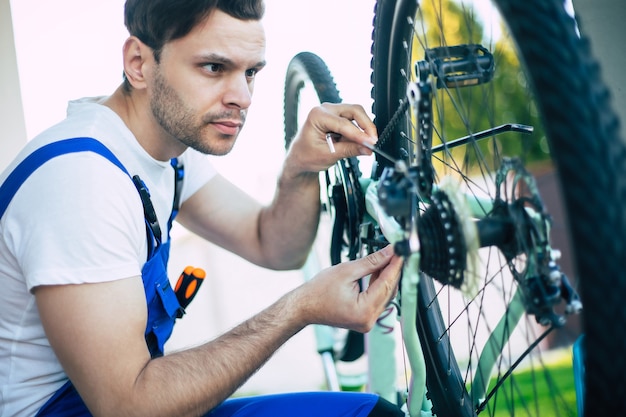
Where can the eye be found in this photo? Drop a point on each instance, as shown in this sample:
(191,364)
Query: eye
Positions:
(252,72)
(213,68)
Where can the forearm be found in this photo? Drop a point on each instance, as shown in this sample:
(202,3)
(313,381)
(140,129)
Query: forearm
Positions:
(110,365)
(196,380)
(288,226)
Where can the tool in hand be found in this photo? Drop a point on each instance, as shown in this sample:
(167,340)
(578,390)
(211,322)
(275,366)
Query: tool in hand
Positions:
(188,284)
(379,152)
(329,140)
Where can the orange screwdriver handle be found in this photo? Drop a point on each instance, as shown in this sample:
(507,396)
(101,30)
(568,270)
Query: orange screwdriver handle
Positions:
(188,285)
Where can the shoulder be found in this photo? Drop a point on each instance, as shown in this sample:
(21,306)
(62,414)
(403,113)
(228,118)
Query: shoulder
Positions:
(77,218)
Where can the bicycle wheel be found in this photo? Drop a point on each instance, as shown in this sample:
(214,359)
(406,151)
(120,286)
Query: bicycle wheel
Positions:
(308,83)
(467,73)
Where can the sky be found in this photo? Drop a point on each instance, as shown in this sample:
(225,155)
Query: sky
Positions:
(67,49)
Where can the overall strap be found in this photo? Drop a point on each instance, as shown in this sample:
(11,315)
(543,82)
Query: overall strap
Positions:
(33,161)
(179,175)
(85,144)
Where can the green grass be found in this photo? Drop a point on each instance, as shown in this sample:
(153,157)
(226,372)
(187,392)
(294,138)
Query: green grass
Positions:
(546,392)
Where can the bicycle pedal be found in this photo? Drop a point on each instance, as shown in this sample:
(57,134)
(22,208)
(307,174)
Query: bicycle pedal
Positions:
(458,66)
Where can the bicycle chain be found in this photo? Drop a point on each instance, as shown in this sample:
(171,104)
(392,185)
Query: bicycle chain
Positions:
(393,122)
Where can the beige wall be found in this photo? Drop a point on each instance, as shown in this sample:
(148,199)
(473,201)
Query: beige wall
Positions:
(12,126)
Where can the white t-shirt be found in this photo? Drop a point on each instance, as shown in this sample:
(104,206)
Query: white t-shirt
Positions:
(77,219)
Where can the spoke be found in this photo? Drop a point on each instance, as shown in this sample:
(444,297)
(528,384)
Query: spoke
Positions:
(508,373)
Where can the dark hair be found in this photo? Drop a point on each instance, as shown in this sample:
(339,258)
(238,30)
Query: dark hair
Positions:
(157,22)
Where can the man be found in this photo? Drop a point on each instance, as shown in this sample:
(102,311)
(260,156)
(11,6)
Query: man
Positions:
(86,307)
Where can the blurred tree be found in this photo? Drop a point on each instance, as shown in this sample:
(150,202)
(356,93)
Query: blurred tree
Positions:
(505,99)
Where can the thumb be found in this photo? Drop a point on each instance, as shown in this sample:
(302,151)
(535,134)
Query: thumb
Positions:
(373,262)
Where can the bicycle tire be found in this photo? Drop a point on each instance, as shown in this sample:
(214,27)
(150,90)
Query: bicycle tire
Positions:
(588,156)
(307,68)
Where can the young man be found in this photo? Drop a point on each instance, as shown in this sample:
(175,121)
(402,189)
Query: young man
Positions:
(86,307)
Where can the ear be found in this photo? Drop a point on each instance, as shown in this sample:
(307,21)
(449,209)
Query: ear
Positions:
(137,56)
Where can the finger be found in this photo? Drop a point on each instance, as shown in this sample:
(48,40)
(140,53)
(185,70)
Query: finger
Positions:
(369,265)
(380,292)
(362,120)
(384,284)
(350,123)
(344,146)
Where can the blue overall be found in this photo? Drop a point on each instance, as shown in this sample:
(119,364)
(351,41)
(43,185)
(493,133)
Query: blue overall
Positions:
(164,309)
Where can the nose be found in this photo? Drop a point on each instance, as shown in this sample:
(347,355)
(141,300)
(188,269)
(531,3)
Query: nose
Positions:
(238,92)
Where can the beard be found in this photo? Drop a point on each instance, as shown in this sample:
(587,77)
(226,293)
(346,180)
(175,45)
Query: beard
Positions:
(178,119)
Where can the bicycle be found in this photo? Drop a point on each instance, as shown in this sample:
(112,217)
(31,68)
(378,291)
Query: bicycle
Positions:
(475,231)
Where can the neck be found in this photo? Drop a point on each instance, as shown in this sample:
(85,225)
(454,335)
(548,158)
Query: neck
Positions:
(134,110)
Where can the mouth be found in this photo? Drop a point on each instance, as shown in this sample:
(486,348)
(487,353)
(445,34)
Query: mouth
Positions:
(228,127)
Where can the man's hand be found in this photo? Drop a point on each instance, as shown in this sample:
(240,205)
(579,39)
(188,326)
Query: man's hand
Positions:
(350,126)
(334,298)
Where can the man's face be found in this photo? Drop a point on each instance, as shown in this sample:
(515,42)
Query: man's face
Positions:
(202,88)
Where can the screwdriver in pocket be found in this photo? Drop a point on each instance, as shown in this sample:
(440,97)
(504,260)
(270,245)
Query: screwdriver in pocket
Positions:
(188,285)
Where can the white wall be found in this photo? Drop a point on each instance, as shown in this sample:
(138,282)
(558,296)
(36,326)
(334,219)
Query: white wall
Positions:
(12,126)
